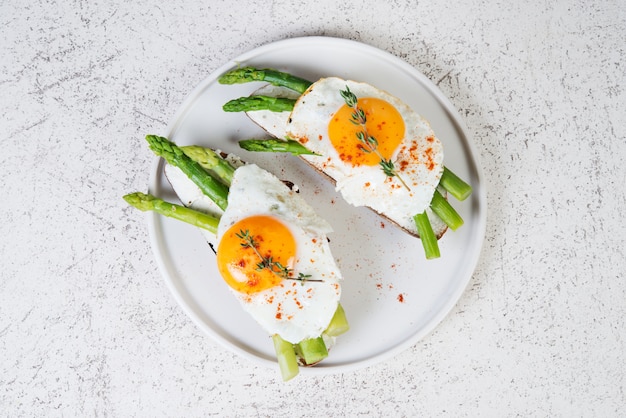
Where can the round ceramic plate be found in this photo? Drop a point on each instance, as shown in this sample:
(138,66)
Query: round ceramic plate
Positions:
(392,295)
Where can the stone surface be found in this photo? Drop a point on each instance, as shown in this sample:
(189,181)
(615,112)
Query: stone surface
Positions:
(89,328)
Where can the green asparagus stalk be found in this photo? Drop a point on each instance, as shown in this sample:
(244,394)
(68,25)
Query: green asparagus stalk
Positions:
(215,190)
(427,236)
(147,202)
(286,356)
(444,210)
(454,185)
(211,161)
(338,324)
(274,77)
(312,350)
(275,145)
(258,102)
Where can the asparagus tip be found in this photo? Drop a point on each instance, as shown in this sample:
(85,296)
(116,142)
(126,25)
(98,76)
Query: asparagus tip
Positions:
(139,200)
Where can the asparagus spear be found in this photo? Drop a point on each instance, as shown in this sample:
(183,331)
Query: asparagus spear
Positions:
(259,102)
(274,77)
(312,350)
(453,184)
(338,324)
(444,210)
(427,236)
(211,161)
(146,202)
(215,190)
(286,356)
(275,145)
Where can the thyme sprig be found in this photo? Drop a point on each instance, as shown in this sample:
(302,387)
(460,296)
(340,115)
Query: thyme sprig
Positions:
(276,267)
(368,142)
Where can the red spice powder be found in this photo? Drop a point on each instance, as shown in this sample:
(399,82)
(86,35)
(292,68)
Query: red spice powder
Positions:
(401,298)
(430,164)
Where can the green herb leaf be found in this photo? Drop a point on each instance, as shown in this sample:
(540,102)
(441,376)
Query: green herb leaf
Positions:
(276,267)
(368,143)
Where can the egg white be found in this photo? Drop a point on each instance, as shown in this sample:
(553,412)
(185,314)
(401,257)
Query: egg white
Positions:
(309,121)
(306,308)
(295,310)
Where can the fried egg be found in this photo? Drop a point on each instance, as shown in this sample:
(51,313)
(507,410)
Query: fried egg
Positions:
(322,122)
(265,221)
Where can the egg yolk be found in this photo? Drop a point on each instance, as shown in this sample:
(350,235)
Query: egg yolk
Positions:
(383,122)
(252,251)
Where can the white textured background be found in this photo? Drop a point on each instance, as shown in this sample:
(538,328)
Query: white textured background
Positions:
(87,325)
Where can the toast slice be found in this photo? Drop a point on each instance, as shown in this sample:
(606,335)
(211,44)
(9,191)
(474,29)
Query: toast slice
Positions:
(272,248)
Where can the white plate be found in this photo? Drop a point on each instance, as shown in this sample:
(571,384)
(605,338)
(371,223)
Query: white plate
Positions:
(393,297)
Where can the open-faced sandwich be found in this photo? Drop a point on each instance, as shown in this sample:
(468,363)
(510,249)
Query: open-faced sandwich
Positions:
(271,247)
(378,151)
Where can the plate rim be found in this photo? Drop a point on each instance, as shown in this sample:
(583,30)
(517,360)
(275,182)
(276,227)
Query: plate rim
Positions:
(481,220)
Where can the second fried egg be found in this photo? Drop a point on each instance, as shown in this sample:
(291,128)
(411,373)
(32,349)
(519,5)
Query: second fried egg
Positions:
(322,121)
(266,228)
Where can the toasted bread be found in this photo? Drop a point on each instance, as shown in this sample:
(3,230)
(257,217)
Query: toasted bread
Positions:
(276,125)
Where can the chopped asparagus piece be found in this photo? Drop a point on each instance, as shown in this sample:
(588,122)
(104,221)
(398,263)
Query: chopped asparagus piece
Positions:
(445,211)
(215,190)
(338,324)
(210,161)
(427,236)
(251,103)
(454,185)
(275,145)
(146,202)
(286,356)
(274,77)
(312,350)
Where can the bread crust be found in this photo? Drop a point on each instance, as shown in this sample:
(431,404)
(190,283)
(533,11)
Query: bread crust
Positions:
(439,232)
